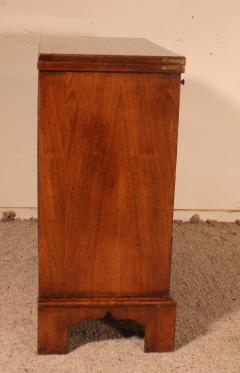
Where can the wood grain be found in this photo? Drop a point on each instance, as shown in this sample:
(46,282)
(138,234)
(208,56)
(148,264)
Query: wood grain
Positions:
(107,155)
(118,66)
(107,143)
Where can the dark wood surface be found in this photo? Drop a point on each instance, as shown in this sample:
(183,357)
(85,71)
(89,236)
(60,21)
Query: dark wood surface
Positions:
(107,54)
(107,142)
(76,45)
(107,152)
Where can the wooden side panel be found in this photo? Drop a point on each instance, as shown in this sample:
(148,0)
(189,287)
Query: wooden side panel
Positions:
(107,154)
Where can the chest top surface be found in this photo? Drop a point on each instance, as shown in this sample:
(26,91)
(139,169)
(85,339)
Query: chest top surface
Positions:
(106,54)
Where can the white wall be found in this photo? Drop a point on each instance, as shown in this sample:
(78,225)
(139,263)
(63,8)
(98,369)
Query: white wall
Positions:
(206,32)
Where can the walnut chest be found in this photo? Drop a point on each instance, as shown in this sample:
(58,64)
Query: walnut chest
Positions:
(107,141)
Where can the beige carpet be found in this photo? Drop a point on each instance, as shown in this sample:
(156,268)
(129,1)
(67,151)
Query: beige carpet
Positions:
(205,283)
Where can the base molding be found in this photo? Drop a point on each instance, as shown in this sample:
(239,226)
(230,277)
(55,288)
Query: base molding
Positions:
(103,301)
(55,316)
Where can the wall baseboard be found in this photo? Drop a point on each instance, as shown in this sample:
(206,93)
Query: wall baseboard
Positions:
(179,214)
(21,212)
(219,215)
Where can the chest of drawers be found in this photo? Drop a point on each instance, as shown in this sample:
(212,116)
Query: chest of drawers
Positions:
(107,140)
